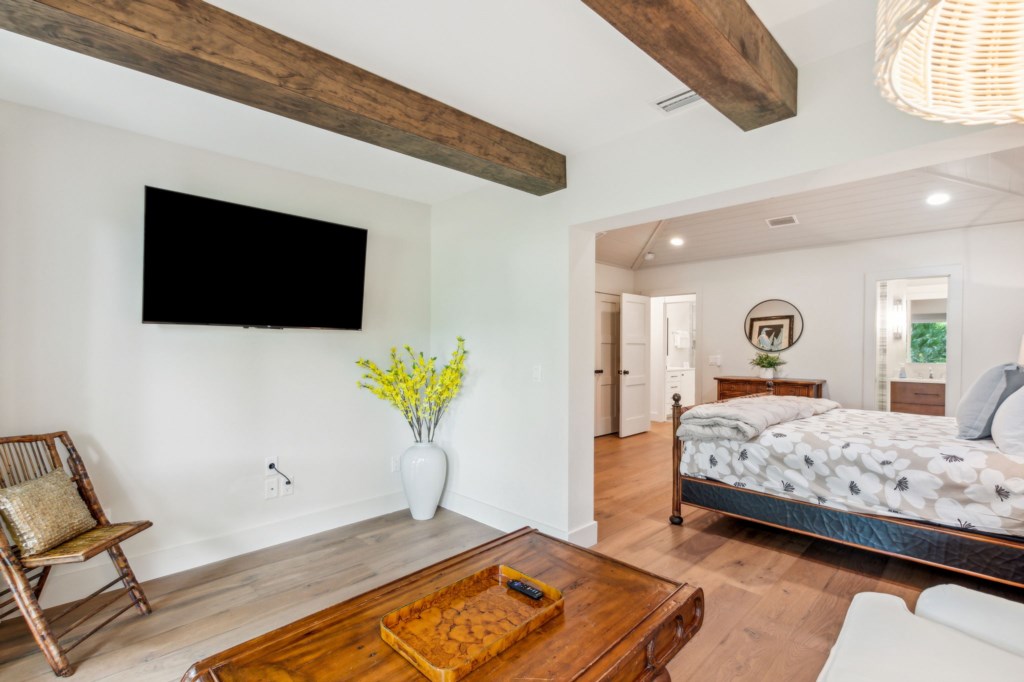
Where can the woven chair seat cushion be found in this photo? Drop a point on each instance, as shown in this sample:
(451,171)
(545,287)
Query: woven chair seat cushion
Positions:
(44,512)
(87,545)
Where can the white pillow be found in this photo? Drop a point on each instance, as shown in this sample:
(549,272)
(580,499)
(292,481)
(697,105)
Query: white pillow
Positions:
(978,407)
(1008,425)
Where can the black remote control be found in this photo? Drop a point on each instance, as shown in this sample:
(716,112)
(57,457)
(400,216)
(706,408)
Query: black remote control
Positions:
(525,588)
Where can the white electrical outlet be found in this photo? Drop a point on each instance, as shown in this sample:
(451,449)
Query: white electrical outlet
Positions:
(267,469)
(270,487)
(286,488)
(394,463)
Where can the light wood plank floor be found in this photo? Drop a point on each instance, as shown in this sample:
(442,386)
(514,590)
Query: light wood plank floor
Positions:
(199,612)
(775,601)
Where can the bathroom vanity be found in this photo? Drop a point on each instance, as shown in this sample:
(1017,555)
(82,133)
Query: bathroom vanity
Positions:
(918,396)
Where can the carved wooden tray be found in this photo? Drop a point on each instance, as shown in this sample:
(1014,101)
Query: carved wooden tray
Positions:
(458,628)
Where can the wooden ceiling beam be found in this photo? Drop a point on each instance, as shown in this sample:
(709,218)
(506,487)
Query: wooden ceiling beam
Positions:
(719,48)
(204,47)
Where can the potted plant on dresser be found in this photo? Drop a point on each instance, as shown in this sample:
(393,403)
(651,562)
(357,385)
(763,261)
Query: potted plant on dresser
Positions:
(422,394)
(768,363)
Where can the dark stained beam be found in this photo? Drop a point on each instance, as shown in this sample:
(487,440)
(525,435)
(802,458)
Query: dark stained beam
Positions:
(202,46)
(719,48)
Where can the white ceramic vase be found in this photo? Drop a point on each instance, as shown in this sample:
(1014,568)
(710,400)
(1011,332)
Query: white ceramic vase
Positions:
(424,466)
(767,372)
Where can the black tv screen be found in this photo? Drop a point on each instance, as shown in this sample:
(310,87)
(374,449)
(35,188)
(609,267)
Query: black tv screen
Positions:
(213,262)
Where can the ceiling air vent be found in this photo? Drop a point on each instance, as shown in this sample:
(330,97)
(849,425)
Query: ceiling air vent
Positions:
(678,101)
(782,221)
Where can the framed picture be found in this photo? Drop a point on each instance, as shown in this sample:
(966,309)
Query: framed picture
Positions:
(771,333)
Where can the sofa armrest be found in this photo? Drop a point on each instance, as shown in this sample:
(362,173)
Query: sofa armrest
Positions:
(882,640)
(991,619)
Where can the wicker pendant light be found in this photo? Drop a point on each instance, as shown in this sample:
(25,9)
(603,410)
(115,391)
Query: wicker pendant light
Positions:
(960,61)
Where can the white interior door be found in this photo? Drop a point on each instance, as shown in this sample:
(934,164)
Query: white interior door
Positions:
(634,364)
(606,357)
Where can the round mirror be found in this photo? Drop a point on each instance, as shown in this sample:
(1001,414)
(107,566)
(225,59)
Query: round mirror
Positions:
(773,325)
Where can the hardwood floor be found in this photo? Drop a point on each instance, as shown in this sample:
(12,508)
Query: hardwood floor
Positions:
(775,600)
(199,612)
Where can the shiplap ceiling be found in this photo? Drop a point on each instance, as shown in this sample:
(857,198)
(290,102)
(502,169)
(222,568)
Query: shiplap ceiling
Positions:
(983,190)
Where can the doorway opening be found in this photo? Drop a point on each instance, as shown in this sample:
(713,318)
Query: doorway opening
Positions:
(912,332)
(673,353)
(913,341)
(645,352)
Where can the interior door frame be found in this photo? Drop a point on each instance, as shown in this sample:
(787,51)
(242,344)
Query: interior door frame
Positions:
(608,372)
(954,329)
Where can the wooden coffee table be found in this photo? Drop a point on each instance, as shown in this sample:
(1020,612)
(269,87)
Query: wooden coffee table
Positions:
(619,623)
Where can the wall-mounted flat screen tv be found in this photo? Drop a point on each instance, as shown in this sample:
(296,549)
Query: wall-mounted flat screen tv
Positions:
(213,262)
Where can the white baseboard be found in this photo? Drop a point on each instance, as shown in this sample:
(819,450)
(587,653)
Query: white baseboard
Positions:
(584,536)
(493,516)
(74,582)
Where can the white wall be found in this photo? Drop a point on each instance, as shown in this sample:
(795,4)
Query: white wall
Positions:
(174,421)
(614,280)
(499,278)
(827,285)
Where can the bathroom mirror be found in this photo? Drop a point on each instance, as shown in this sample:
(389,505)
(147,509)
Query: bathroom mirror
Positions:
(773,325)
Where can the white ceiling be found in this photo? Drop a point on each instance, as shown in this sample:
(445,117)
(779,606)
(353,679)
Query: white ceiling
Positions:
(984,190)
(549,70)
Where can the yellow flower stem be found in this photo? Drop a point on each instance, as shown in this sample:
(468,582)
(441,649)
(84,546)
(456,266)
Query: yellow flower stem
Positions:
(420,392)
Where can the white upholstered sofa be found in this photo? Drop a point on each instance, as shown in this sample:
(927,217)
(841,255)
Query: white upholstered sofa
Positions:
(955,634)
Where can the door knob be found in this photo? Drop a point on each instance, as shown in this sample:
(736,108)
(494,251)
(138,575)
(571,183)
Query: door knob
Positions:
(598,371)
(623,371)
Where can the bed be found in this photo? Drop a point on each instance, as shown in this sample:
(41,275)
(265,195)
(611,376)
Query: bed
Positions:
(897,484)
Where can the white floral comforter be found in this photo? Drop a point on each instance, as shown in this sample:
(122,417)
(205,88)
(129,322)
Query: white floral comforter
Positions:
(745,418)
(892,464)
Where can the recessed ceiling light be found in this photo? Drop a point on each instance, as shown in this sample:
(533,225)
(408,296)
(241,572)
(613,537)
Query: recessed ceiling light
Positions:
(937,199)
(676,241)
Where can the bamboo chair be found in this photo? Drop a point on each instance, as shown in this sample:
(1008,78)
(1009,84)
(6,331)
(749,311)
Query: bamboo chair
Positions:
(24,458)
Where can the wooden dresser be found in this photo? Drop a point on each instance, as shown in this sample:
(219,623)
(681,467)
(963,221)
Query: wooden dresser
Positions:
(735,387)
(917,397)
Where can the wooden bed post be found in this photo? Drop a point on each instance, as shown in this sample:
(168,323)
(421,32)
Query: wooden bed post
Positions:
(677,458)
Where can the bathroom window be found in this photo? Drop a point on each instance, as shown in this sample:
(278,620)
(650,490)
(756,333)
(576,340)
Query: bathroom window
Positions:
(928,341)
(927,324)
